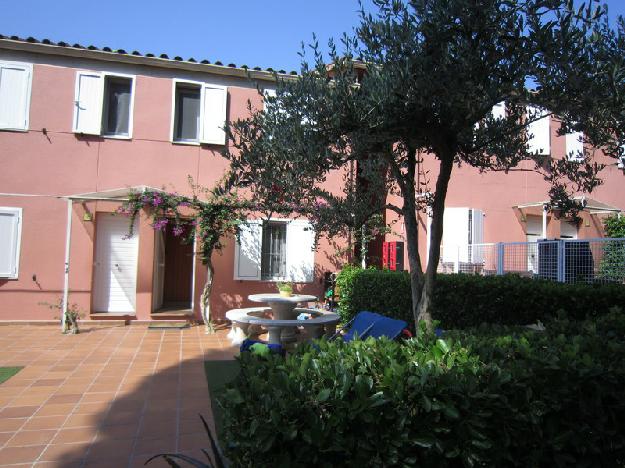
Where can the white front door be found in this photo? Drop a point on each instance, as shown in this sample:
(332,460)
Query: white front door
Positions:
(533,231)
(115,272)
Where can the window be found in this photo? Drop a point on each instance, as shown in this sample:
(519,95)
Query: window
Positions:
(275,250)
(116,116)
(104,104)
(538,130)
(575,146)
(10,236)
(199,113)
(462,229)
(15,83)
(187,118)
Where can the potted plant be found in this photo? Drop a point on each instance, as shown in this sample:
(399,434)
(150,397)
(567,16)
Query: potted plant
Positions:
(285,289)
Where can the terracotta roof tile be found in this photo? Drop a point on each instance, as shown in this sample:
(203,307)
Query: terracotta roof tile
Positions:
(136,53)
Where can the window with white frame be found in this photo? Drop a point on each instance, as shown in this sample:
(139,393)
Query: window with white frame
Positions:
(199,113)
(575,146)
(539,131)
(15,85)
(10,238)
(275,250)
(104,104)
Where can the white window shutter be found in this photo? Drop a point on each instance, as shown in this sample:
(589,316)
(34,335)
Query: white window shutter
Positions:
(88,103)
(247,255)
(575,146)
(213,115)
(455,234)
(477,236)
(14,95)
(539,143)
(300,256)
(10,237)
(268,93)
(499,111)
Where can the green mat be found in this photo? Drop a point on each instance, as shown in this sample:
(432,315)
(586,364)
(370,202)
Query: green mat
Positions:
(7,372)
(218,374)
(168,326)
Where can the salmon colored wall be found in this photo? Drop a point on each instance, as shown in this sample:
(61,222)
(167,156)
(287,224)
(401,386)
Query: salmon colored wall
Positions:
(496,193)
(57,162)
(49,161)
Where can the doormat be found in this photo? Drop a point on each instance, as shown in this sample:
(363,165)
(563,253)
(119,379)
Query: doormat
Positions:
(168,326)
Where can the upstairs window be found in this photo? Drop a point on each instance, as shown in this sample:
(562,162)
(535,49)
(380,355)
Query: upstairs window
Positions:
(116,115)
(199,113)
(187,113)
(103,104)
(15,83)
(539,131)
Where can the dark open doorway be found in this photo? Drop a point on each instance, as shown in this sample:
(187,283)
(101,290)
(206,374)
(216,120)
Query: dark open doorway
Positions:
(173,273)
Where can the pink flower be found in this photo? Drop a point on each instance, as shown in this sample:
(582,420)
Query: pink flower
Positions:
(160,224)
(178,230)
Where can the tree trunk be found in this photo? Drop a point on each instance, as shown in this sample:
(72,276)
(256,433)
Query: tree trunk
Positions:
(436,235)
(414,260)
(205,298)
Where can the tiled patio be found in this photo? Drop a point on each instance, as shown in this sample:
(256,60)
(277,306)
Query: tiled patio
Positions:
(109,397)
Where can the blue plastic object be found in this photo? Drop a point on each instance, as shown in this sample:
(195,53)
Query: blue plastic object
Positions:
(367,324)
(274,348)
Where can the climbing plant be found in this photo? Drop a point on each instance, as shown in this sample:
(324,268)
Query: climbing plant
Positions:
(206,220)
(612,267)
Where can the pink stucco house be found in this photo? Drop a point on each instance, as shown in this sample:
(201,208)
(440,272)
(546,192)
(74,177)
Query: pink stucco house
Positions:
(80,126)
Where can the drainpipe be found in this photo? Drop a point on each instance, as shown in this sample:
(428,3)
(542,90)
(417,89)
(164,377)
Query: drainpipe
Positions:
(544,221)
(68,237)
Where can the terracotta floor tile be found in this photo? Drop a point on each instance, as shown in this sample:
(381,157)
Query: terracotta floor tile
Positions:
(119,431)
(14,455)
(45,422)
(4,437)
(94,397)
(48,382)
(64,452)
(56,409)
(18,411)
(92,408)
(40,437)
(65,398)
(11,424)
(154,446)
(81,420)
(73,435)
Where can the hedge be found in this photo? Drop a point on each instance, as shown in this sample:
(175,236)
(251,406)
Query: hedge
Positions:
(462,301)
(496,396)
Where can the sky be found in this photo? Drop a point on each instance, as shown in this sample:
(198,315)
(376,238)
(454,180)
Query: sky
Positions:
(265,33)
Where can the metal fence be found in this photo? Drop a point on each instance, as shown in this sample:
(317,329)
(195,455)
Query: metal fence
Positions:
(563,260)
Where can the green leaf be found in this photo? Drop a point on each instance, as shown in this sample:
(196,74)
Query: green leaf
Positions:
(324,395)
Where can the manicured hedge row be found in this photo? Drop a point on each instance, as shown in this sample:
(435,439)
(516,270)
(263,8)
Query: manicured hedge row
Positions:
(462,301)
(492,397)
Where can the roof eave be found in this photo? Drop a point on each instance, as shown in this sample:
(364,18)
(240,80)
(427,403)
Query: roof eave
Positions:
(68,51)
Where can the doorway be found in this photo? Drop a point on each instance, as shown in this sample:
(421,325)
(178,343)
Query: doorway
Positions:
(115,266)
(173,273)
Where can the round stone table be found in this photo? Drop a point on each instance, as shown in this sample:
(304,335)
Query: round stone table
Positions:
(283,308)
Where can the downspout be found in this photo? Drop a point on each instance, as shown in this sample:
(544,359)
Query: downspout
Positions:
(68,238)
(544,221)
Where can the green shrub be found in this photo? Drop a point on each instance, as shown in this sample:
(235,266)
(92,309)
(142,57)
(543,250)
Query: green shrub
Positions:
(495,396)
(462,301)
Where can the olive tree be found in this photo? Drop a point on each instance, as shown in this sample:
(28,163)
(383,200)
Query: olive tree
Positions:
(419,80)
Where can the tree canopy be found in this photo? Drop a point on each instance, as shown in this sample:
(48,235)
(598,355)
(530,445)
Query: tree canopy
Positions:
(419,79)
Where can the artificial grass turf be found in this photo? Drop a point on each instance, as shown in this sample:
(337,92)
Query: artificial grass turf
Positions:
(218,374)
(7,372)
